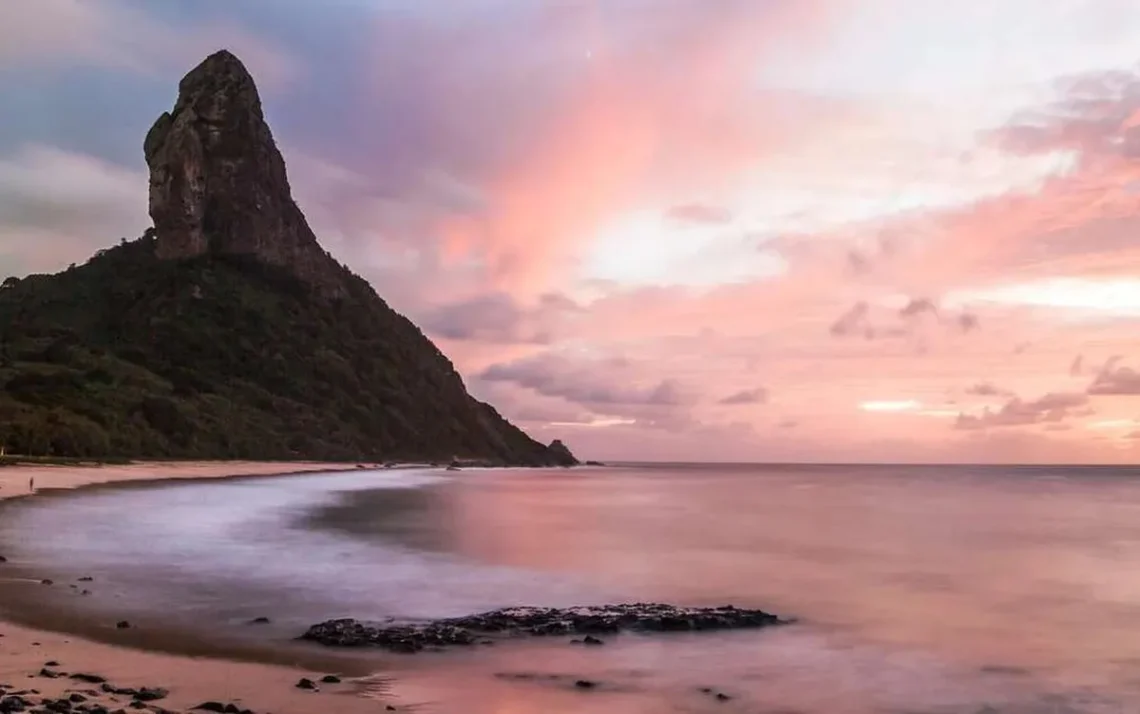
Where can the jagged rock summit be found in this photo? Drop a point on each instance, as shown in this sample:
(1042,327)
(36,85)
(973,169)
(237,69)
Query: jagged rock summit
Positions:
(218,183)
(226,330)
(561,454)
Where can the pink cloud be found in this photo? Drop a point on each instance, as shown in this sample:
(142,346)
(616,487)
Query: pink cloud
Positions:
(757,395)
(631,111)
(1054,407)
(699,213)
(1116,380)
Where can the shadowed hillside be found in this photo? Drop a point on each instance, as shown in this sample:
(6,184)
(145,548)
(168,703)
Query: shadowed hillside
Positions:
(227,331)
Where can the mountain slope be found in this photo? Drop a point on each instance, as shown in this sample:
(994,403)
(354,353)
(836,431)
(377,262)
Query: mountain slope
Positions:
(226,331)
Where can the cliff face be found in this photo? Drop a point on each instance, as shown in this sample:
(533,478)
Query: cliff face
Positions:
(226,331)
(218,183)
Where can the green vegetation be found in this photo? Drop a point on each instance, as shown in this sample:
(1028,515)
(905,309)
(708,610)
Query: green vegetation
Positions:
(223,357)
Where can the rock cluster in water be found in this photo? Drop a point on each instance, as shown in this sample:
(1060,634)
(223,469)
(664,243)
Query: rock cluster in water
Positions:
(517,621)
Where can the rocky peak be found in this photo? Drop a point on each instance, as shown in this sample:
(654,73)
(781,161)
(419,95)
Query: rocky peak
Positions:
(218,183)
(560,454)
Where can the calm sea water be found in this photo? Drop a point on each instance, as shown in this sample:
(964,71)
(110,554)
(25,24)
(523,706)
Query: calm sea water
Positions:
(921,590)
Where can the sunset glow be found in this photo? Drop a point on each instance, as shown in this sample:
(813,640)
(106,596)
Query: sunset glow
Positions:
(741,230)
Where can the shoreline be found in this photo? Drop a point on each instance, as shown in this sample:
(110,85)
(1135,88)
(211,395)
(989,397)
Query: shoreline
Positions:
(128,658)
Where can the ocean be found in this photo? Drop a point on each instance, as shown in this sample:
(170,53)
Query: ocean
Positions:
(919,589)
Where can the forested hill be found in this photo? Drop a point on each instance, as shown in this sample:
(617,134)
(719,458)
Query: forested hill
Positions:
(226,331)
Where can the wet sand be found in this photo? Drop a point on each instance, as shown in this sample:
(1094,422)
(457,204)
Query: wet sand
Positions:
(190,680)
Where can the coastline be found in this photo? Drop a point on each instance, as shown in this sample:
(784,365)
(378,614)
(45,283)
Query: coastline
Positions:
(191,680)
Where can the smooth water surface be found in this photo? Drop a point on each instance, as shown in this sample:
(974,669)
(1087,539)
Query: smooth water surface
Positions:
(931,590)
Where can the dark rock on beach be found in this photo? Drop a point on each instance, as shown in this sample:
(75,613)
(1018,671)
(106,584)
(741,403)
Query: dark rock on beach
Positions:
(521,621)
(306,684)
(112,689)
(151,694)
(89,678)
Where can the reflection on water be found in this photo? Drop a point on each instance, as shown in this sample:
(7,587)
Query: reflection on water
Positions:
(935,590)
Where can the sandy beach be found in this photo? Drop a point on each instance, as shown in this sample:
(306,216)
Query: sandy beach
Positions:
(190,681)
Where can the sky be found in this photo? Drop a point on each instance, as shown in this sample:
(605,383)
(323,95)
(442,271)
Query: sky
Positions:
(698,230)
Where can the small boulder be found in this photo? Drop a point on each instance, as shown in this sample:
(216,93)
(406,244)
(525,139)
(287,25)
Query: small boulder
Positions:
(11,704)
(211,707)
(89,678)
(112,689)
(122,625)
(305,683)
(585,684)
(151,694)
(330,679)
(591,640)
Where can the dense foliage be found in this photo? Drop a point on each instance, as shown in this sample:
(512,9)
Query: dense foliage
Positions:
(220,357)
